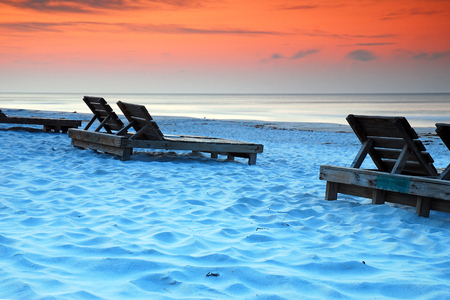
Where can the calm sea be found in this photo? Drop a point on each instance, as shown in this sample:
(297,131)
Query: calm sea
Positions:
(422,110)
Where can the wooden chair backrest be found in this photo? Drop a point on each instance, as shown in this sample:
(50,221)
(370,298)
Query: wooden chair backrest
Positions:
(103,113)
(142,122)
(393,145)
(443,130)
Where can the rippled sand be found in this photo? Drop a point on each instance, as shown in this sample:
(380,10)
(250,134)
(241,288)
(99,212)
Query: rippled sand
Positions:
(77,224)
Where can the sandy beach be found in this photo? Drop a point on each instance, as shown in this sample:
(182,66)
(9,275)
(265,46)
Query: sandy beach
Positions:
(78,224)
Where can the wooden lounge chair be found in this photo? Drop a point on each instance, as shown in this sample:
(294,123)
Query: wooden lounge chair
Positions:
(104,114)
(148,135)
(443,130)
(56,125)
(405,172)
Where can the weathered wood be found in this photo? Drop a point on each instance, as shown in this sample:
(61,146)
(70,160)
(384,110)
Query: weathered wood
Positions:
(96,137)
(365,148)
(401,161)
(391,143)
(331,191)
(423,206)
(414,185)
(408,136)
(390,134)
(141,118)
(445,175)
(378,196)
(103,113)
(124,153)
(48,124)
(423,193)
(148,135)
(214,146)
(202,145)
(362,136)
(443,130)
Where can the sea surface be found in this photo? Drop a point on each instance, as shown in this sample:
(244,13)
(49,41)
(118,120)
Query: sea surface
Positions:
(422,110)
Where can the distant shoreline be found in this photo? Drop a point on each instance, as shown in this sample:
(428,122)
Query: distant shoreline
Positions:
(302,126)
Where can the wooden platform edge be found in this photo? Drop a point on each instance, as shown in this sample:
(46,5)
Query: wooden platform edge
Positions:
(48,124)
(421,192)
(123,147)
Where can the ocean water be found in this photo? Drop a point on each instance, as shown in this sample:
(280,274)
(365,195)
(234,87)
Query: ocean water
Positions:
(422,110)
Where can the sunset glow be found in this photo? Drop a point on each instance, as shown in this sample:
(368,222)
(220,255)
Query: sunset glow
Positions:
(176,46)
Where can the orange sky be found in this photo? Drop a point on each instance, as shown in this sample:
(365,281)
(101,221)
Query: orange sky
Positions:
(227,46)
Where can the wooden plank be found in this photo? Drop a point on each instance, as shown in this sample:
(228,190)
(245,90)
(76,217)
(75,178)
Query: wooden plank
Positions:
(365,148)
(103,113)
(393,197)
(416,186)
(391,143)
(362,136)
(395,153)
(401,161)
(205,146)
(119,151)
(41,121)
(410,168)
(443,130)
(386,126)
(141,118)
(445,175)
(96,137)
(409,137)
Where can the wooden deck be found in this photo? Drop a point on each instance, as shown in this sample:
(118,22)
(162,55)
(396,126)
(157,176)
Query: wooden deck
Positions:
(123,146)
(57,125)
(424,193)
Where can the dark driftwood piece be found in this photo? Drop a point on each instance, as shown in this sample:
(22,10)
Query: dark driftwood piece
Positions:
(405,172)
(56,125)
(148,135)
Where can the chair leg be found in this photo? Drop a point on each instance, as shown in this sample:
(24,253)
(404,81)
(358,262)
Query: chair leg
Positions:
(126,154)
(331,191)
(378,196)
(423,207)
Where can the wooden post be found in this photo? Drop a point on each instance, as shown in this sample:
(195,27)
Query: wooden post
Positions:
(378,196)
(214,155)
(126,154)
(331,191)
(230,157)
(252,159)
(423,206)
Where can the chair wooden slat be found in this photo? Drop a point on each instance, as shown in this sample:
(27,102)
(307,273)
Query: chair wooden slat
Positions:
(390,136)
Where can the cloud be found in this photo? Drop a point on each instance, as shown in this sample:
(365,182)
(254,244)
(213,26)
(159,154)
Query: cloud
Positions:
(276,56)
(177,29)
(301,54)
(431,56)
(361,55)
(147,28)
(89,6)
(322,33)
(374,44)
(298,55)
(300,7)
(404,13)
